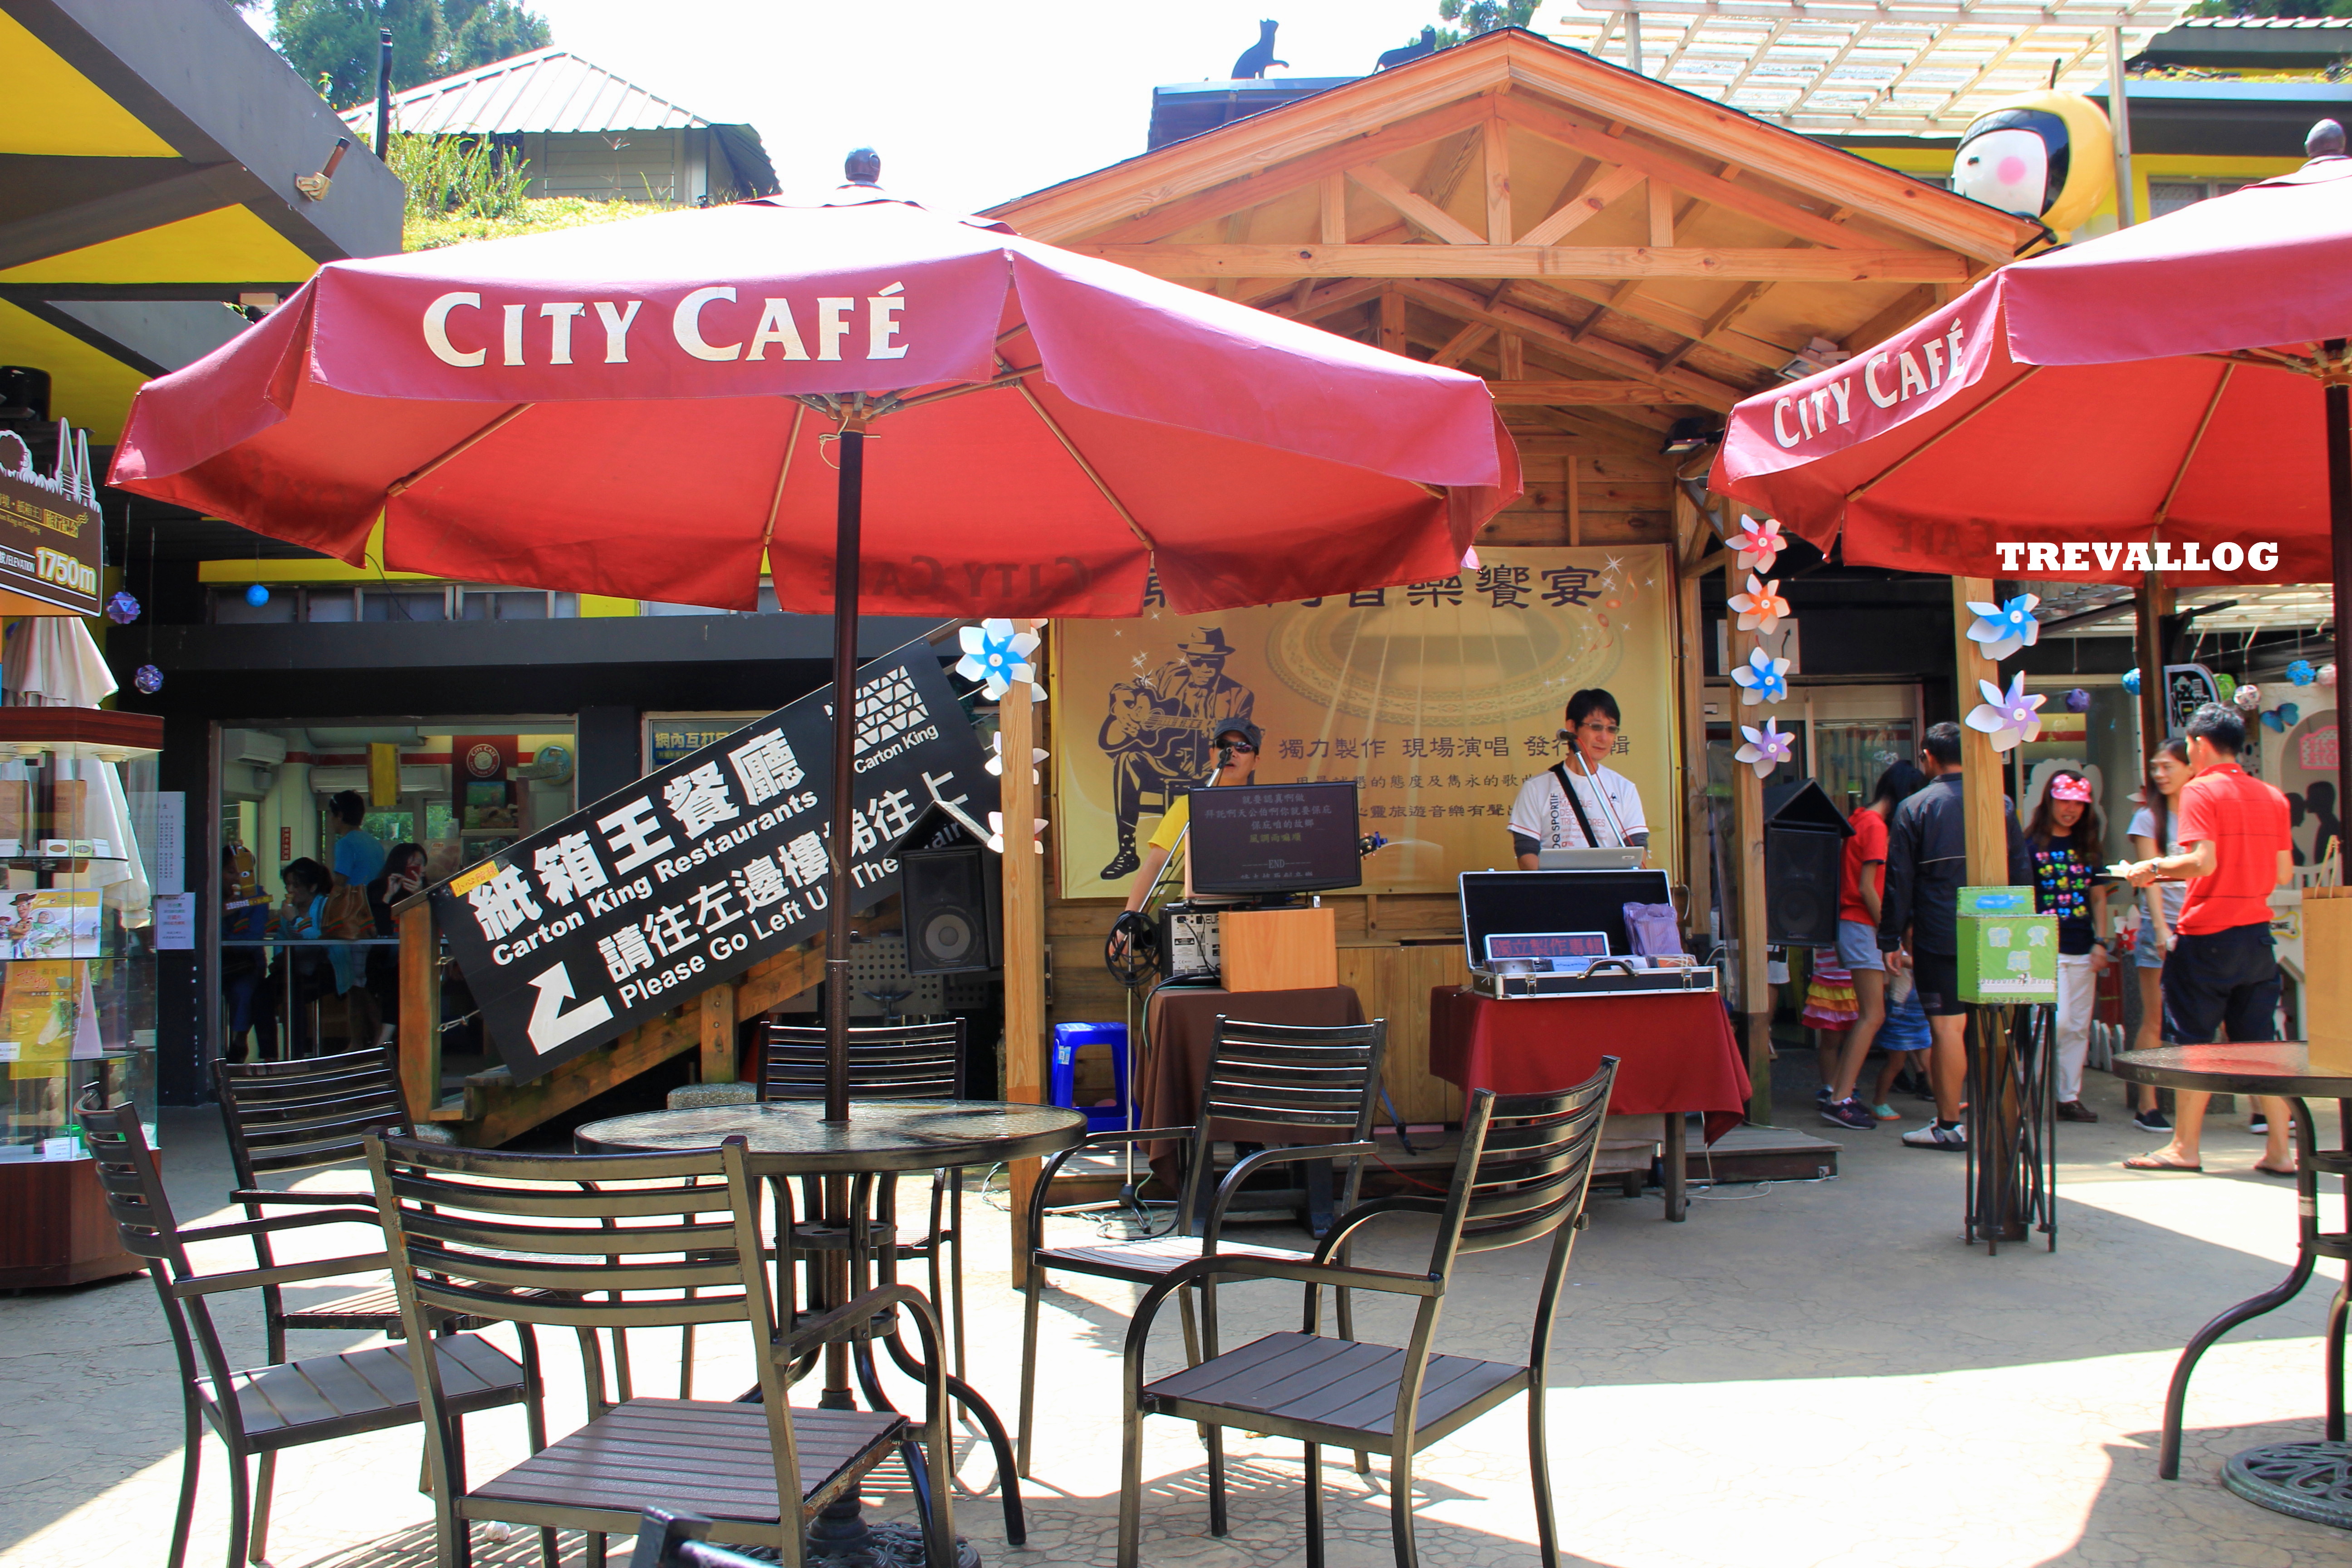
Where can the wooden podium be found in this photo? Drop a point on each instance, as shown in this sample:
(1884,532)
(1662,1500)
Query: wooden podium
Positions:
(1279,950)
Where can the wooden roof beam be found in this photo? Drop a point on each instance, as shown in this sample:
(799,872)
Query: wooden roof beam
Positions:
(1471,259)
(1585,207)
(1325,299)
(1467,304)
(1567,130)
(1174,210)
(1412,205)
(1582,394)
(1651,311)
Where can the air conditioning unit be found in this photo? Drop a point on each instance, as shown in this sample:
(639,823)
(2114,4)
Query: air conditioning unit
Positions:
(258,747)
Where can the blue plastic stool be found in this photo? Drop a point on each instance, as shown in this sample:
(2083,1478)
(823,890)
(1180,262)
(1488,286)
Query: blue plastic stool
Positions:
(1061,1084)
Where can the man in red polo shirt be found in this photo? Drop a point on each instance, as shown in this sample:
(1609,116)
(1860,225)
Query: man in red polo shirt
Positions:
(2221,972)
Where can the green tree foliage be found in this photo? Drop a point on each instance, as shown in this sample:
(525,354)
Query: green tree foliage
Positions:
(2270,8)
(332,43)
(1472,17)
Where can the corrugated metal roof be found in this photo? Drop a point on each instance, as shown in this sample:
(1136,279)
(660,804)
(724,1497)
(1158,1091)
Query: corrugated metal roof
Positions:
(548,89)
(556,92)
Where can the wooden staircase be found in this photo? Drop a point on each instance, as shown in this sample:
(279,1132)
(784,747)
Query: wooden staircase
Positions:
(492,1109)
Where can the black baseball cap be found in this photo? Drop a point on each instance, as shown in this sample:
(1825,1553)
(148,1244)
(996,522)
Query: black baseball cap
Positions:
(1250,732)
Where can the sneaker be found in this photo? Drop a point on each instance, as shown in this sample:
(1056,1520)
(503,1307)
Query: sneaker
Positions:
(2259,1123)
(2153,1119)
(1935,1137)
(1886,1113)
(1850,1113)
(2075,1111)
(1822,1097)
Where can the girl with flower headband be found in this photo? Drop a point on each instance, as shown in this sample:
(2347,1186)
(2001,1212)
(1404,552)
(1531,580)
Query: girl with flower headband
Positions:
(2063,844)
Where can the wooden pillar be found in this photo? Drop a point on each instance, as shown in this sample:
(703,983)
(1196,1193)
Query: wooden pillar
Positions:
(2153,606)
(1691,536)
(1755,982)
(1024,946)
(718,1035)
(1980,778)
(420,1008)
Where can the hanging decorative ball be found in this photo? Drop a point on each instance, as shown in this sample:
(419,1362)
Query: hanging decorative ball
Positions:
(2248,698)
(2226,684)
(2131,681)
(2328,674)
(2300,672)
(121,610)
(2078,701)
(148,679)
(257,595)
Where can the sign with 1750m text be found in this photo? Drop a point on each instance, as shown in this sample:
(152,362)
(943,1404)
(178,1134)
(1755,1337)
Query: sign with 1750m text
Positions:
(574,935)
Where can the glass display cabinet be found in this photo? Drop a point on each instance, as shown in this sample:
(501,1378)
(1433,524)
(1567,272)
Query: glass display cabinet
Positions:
(80,840)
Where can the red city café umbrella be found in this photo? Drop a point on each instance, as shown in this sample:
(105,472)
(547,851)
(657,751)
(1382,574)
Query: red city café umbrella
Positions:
(644,409)
(2170,397)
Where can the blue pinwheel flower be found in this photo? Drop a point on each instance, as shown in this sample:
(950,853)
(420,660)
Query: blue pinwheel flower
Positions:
(2005,628)
(2300,672)
(1762,678)
(996,654)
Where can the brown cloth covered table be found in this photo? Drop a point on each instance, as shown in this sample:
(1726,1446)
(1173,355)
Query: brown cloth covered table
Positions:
(1675,1054)
(1181,1028)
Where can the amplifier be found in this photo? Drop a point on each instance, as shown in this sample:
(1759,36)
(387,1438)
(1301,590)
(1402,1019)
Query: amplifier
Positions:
(1190,946)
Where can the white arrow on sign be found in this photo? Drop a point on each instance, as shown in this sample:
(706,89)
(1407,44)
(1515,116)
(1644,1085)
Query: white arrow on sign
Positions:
(550,1026)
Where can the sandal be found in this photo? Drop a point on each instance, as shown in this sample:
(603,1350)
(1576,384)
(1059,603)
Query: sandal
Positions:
(2274,1171)
(2150,1162)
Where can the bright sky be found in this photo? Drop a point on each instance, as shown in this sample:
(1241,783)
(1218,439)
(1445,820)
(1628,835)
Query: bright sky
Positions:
(969,105)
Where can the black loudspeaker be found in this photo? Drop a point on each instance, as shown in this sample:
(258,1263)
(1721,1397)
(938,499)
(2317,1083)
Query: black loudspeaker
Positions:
(948,902)
(1804,855)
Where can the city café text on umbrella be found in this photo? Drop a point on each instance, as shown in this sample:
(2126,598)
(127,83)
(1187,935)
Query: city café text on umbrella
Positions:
(2169,400)
(655,409)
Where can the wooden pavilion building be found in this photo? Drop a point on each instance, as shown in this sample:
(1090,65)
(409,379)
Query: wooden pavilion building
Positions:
(1624,262)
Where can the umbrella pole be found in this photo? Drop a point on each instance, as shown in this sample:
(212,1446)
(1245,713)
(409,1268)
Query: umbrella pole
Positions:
(2338,399)
(848,517)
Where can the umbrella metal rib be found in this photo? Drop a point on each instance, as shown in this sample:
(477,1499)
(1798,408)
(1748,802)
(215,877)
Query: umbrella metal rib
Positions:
(1924,448)
(418,475)
(1088,469)
(2205,421)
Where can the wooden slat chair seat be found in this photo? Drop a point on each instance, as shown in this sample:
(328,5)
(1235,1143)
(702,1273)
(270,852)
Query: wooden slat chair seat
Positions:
(258,1412)
(1522,1174)
(285,1119)
(1315,1080)
(605,1244)
(709,1458)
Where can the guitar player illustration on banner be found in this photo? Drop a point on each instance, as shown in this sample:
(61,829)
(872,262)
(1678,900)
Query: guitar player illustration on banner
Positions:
(1159,733)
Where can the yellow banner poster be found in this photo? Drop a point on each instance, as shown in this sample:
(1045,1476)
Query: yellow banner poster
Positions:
(1440,699)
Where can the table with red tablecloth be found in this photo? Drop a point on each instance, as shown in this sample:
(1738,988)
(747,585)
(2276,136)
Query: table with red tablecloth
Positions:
(1675,1054)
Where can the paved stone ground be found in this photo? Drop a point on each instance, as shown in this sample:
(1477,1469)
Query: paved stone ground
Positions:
(1803,1375)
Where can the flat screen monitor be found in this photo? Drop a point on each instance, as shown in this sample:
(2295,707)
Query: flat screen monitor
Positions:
(1249,840)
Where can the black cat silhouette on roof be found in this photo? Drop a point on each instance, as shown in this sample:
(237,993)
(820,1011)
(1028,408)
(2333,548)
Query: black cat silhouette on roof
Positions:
(1259,56)
(1407,53)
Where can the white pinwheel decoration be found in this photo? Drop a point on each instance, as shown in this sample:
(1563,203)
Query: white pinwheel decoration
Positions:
(1762,608)
(995,764)
(996,832)
(996,654)
(1757,543)
(1767,748)
(2005,628)
(1762,678)
(2011,718)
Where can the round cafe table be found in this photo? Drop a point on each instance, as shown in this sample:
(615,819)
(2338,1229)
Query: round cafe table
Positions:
(862,1157)
(2309,1480)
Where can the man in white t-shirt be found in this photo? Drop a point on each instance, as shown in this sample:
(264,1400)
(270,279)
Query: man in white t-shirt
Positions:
(1605,810)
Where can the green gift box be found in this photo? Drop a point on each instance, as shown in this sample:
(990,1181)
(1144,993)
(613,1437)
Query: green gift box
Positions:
(2008,953)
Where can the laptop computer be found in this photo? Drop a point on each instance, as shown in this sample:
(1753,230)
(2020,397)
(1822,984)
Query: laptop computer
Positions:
(1622,857)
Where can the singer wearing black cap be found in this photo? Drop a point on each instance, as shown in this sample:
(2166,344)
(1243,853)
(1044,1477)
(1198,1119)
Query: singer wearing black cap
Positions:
(1578,804)
(1237,754)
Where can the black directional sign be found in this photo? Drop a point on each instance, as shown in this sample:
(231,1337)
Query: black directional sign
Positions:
(622,911)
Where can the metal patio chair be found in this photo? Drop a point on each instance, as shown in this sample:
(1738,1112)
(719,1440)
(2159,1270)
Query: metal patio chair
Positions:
(286,1118)
(1313,1078)
(907,1061)
(1525,1164)
(262,1411)
(624,1241)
